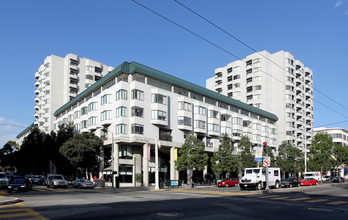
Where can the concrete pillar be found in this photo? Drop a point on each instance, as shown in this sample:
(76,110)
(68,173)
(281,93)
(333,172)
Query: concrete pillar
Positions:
(146,165)
(137,167)
(116,160)
(101,162)
(174,174)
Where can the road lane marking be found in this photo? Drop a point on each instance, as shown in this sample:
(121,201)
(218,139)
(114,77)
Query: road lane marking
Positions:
(21,210)
(281,198)
(268,196)
(299,199)
(3,193)
(318,200)
(337,203)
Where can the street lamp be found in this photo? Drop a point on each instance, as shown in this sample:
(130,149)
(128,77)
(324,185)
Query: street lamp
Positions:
(157,144)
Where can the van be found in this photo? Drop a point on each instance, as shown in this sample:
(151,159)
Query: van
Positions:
(256,178)
(315,175)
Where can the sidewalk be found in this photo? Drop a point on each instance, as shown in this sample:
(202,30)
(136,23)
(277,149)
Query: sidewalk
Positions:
(8,200)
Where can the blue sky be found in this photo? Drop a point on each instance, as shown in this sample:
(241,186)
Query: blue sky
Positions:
(315,32)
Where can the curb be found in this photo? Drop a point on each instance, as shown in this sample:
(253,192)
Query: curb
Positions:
(9,200)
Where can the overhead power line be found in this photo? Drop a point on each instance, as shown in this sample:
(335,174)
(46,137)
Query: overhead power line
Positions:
(250,47)
(221,48)
(9,125)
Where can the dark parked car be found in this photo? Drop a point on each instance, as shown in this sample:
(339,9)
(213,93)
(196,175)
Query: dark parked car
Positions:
(19,184)
(290,182)
(337,179)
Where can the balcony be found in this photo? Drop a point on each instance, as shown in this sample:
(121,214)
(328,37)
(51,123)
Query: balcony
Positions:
(37,75)
(165,135)
(37,83)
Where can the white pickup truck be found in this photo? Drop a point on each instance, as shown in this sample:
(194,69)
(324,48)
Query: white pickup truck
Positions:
(256,178)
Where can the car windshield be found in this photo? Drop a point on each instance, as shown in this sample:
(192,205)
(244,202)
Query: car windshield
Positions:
(58,177)
(283,179)
(86,181)
(19,181)
(252,171)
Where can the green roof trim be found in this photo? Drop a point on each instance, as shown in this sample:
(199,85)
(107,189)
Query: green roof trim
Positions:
(132,67)
(25,130)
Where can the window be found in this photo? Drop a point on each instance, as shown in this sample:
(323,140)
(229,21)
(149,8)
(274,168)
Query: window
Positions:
(137,94)
(237,121)
(229,79)
(237,68)
(137,129)
(92,106)
(137,111)
(249,89)
(185,106)
(229,86)
(84,124)
(90,77)
(122,77)
(158,98)
(121,112)
(236,77)
(182,120)
(84,111)
(213,114)
(109,84)
(257,87)
(235,94)
(229,70)
(226,117)
(77,127)
(257,69)
(200,110)
(125,152)
(226,130)
(126,173)
(106,115)
(92,121)
(257,60)
(159,115)
(105,99)
(236,85)
(199,124)
(257,78)
(214,127)
(258,96)
(98,69)
(121,94)
(138,77)
(121,129)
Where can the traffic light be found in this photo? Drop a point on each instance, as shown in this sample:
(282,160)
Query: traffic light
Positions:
(265,147)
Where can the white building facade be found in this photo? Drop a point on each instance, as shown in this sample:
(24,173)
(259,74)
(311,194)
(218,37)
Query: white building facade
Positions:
(60,79)
(135,105)
(339,136)
(276,83)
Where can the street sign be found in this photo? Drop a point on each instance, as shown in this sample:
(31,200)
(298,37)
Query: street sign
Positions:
(266,162)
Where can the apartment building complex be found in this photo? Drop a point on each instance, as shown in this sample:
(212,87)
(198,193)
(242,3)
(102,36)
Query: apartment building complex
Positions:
(58,80)
(277,83)
(339,135)
(134,106)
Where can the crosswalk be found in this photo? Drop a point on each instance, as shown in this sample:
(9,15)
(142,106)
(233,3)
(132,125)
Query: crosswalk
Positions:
(18,211)
(278,197)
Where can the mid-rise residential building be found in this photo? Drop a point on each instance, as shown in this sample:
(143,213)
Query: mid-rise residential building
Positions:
(277,83)
(60,79)
(339,136)
(135,106)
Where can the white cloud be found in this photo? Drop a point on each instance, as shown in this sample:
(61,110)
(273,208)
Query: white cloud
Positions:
(344,4)
(9,129)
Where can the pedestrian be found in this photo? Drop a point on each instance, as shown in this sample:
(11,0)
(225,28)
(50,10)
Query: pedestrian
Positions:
(95,179)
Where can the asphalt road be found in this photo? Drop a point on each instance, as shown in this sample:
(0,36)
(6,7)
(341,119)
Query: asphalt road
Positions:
(329,201)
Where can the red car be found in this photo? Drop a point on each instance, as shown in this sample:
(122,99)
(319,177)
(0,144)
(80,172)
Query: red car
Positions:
(309,182)
(228,182)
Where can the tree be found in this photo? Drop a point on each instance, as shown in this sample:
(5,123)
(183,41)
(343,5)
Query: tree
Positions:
(247,158)
(223,161)
(321,151)
(82,150)
(340,155)
(290,159)
(191,156)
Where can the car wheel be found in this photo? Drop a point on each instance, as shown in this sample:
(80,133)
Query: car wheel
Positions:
(310,184)
(259,186)
(236,184)
(276,185)
(80,187)
(290,185)
(226,185)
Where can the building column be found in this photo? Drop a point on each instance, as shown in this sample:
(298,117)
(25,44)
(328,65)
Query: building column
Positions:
(174,174)
(146,149)
(101,162)
(137,167)
(115,161)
